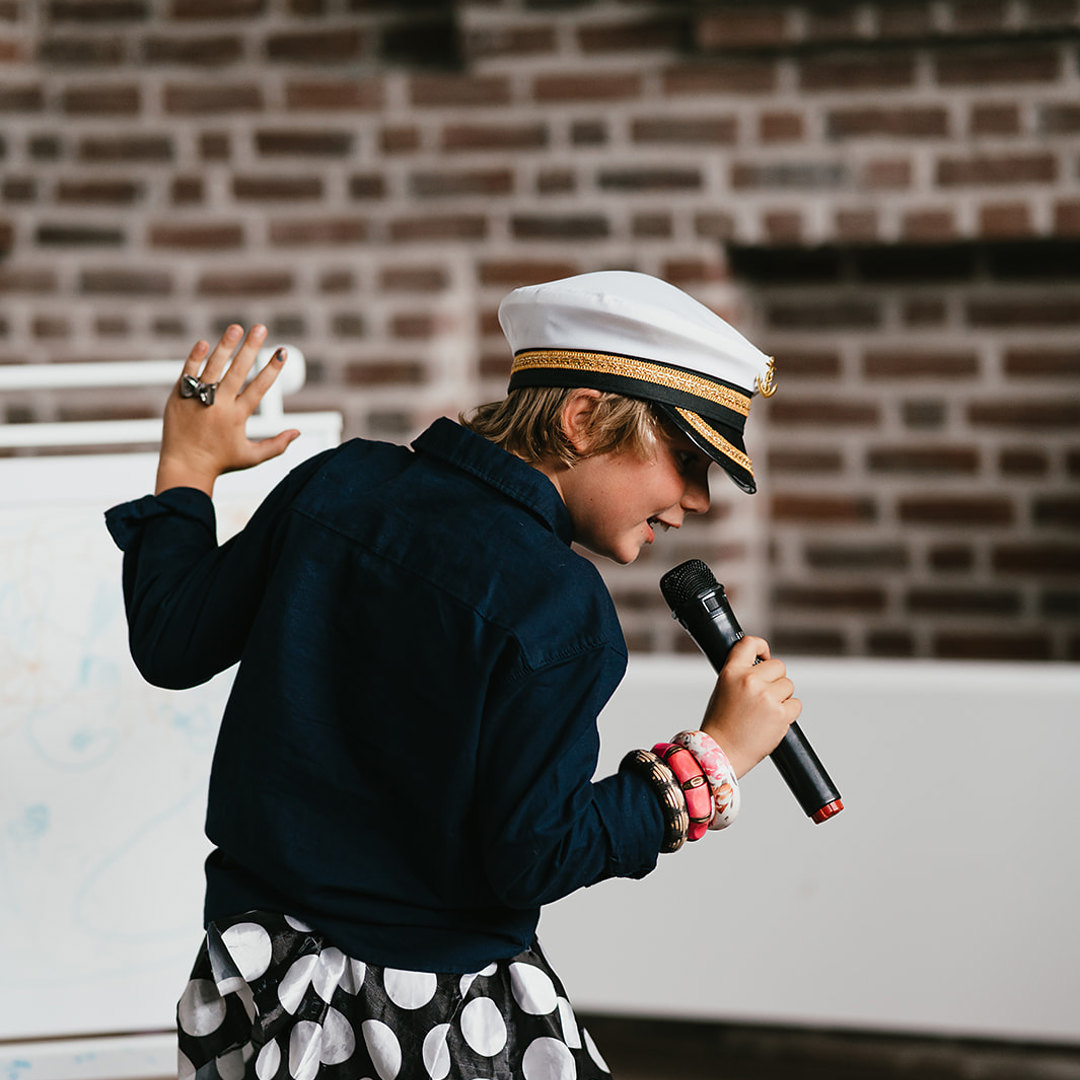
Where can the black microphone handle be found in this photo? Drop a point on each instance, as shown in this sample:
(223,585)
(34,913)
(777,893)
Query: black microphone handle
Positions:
(711,623)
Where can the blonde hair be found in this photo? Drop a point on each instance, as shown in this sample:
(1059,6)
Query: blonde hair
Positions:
(528,424)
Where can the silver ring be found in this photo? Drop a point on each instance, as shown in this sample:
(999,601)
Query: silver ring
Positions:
(191,387)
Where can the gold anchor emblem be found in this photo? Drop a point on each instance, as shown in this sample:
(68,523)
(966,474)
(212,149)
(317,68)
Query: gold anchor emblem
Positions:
(767,387)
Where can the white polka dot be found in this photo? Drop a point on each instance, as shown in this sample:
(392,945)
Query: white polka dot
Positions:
(353,979)
(483,1026)
(593,1052)
(436,1052)
(533,989)
(328,972)
(250,947)
(570,1032)
(294,986)
(268,1061)
(305,1046)
(230,1066)
(548,1059)
(468,980)
(296,924)
(184,1069)
(339,1041)
(383,1047)
(201,1009)
(409,989)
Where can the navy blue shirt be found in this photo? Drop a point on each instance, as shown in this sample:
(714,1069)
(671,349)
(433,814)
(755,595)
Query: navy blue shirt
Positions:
(406,758)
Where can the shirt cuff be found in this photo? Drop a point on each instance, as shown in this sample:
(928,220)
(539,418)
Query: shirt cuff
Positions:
(126,521)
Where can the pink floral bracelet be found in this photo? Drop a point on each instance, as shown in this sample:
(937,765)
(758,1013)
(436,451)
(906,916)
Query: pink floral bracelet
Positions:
(718,771)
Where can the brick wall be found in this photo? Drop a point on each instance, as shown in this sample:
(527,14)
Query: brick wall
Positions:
(883,195)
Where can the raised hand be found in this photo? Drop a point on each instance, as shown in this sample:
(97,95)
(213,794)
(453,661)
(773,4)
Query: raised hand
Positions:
(200,441)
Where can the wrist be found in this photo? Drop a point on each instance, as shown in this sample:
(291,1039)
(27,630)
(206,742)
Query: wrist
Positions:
(173,474)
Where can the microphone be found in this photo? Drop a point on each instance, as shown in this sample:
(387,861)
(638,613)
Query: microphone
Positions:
(698,601)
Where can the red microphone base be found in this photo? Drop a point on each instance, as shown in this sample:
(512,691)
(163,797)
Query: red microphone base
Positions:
(826,812)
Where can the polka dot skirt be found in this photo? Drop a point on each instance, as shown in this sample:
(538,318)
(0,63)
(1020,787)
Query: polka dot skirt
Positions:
(270,999)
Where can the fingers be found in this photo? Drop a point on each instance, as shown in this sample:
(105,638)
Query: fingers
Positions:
(195,358)
(253,392)
(265,449)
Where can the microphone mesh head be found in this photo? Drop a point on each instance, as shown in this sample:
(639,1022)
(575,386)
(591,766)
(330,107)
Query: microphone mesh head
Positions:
(685,581)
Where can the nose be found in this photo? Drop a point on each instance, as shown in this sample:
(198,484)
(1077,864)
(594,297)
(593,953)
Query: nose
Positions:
(696,499)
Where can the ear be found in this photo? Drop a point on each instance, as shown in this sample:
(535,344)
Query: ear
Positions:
(577,418)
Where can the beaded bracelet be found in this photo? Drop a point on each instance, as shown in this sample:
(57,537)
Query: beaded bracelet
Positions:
(699,799)
(666,788)
(718,771)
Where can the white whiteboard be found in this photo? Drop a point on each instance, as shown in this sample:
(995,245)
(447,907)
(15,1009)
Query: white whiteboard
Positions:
(942,900)
(102,778)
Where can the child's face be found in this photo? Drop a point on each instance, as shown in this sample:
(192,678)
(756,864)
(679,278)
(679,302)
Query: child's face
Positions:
(617,500)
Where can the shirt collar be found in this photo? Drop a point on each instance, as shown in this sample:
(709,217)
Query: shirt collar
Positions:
(515,478)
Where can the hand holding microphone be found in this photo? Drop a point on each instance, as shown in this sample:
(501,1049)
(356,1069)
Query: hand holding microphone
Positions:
(697,600)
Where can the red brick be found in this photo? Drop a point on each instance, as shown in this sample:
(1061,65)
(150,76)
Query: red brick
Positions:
(1051,13)
(986,67)
(126,282)
(18,189)
(202,99)
(1037,559)
(974,645)
(112,192)
(714,225)
(951,558)
(633,35)
(941,460)
(74,235)
(367,186)
(196,237)
(556,181)
(1067,217)
(413,326)
(924,311)
(447,184)
(414,279)
(867,599)
(215,146)
(200,51)
(814,364)
(851,313)
(790,642)
(930,224)
(399,139)
(277,188)
(712,130)
(956,510)
(568,227)
(823,509)
(216,9)
(506,137)
(439,227)
(887,174)
(925,122)
(733,29)
(692,271)
(483,43)
(28,98)
(896,644)
(1005,220)
(186,190)
(122,148)
(888,71)
(919,365)
(336,281)
(86,11)
(978,15)
(1045,362)
(328,94)
(1060,511)
(334,230)
(246,283)
(385,373)
(847,558)
(331,46)
(1008,169)
(1025,311)
(313,143)
(50,327)
(856,226)
(645,178)
(118,100)
(780,126)
(827,412)
(825,462)
(1033,414)
(905,20)
(722,77)
(26,279)
(1020,462)
(995,119)
(512,274)
(455,91)
(79,51)
(597,86)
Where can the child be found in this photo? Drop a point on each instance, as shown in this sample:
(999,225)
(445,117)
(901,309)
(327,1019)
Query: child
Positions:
(403,774)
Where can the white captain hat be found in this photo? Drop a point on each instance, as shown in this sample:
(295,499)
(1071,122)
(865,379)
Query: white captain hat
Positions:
(634,334)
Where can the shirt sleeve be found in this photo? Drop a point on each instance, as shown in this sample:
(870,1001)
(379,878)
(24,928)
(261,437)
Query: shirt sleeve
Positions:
(189,601)
(549,829)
